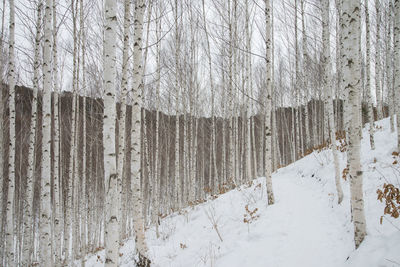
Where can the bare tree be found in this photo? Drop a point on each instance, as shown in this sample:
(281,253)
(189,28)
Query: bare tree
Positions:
(351,28)
(268,103)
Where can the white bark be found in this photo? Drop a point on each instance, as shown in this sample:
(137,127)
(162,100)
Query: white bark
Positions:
(111,235)
(268,104)
(45,197)
(378,88)
(213,153)
(83,197)
(10,212)
(68,234)
(141,247)
(28,212)
(305,74)
(328,95)
(2,178)
(178,189)
(370,109)
(122,119)
(351,29)
(57,170)
(389,66)
(397,65)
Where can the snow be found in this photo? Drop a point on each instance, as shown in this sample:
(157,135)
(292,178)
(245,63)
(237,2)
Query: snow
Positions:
(305,227)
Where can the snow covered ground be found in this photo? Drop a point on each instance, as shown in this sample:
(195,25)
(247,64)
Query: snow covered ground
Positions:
(306,226)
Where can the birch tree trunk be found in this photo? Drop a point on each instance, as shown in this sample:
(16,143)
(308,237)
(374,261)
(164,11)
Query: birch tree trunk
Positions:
(45,197)
(57,167)
(389,67)
(213,153)
(378,88)
(177,123)
(111,235)
(28,212)
(122,119)
(83,201)
(397,65)
(11,172)
(268,104)
(370,110)
(69,215)
(157,174)
(351,29)
(328,95)
(305,74)
(141,247)
(2,161)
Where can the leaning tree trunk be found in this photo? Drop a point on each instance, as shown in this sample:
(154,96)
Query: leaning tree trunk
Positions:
(268,104)
(351,29)
(111,175)
(141,248)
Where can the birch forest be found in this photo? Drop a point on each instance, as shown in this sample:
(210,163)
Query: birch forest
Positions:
(124,122)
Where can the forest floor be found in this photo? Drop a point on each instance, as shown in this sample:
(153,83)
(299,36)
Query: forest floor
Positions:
(305,227)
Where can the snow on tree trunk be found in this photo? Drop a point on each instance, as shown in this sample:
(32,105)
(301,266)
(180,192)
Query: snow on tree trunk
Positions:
(351,29)
(111,234)
(45,197)
(268,104)
(141,247)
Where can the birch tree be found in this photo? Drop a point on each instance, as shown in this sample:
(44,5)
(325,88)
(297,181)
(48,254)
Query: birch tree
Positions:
(326,60)
(370,110)
(141,247)
(124,92)
(111,234)
(57,148)
(378,88)
(351,29)
(177,124)
(397,65)
(268,103)
(11,172)
(45,198)
(28,205)
(2,160)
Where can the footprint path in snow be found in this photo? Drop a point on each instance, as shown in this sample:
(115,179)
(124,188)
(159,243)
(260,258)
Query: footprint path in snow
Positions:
(299,230)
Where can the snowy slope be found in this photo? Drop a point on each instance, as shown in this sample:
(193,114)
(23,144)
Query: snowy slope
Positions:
(306,226)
